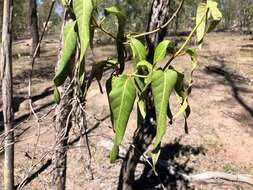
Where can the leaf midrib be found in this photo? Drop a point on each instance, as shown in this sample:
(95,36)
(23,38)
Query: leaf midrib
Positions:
(122,100)
(159,55)
(163,95)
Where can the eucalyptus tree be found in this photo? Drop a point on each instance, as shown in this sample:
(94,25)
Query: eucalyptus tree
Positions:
(20,18)
(34,29)
(55,18)
(1,13)
(7,93)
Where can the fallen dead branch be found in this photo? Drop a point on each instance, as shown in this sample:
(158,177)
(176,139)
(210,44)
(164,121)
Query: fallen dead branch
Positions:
(35,174)
(206,177)
(213,176)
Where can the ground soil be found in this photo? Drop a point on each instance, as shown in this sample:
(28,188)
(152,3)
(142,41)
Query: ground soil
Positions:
(220,126)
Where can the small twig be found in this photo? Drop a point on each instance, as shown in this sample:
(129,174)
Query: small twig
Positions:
(84,126)
(23,182)
(34,58)
(29,88)
(32,176)
(94,117)
(100,26)
(184,44)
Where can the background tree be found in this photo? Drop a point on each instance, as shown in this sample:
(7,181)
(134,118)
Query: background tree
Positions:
(1,14)
(55,19)
(6,62)
(33,22)
(20,18)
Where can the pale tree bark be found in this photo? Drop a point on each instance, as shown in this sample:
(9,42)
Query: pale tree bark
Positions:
(34,29)
(62,123)
(146,131)
(1,14)
(6,61)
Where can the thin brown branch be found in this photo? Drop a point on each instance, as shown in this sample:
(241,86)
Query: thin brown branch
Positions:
(100,26)
(34,58)
(163,26)
(83,127)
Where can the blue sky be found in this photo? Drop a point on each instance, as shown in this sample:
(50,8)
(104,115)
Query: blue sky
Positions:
(58,7)
(39,1)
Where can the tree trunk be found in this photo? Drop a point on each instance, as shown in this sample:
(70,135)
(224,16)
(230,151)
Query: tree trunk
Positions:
(33,22)
(1,15)
(6,61)
(146,131)
(159,14)
(62,125)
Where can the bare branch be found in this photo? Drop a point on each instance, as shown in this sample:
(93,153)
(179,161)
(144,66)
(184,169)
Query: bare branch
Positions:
(163,26)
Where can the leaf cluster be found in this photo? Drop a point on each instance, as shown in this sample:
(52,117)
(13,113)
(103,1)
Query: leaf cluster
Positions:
(124,90)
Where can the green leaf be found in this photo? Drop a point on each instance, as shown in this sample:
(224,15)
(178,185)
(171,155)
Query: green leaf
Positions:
(215,12)
(57,96)
(120,35)
(144,65)
(139,84)
(147,82)
(201,19)
(142,107)
(112,62)
(182,94)
(109,85)
(116,12)
(70,41)
(183,107)
(64,3)
(121,99)
(194,55)
(182,91)
(155,156)
(163,82)
(83,11)
(138,49)
(179,87)
(161,50)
